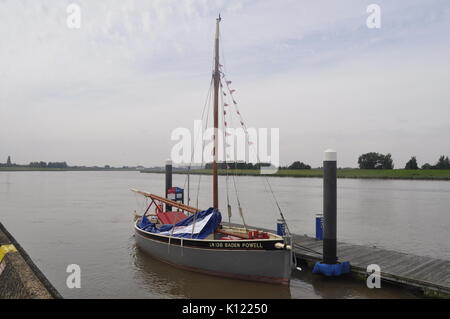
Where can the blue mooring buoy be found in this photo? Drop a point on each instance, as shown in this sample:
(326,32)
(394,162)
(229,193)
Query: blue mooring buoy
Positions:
(333,269)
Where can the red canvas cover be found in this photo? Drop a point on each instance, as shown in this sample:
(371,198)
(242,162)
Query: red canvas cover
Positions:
(171,217)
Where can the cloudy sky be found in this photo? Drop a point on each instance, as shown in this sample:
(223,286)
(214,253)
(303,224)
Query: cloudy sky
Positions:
(112,91)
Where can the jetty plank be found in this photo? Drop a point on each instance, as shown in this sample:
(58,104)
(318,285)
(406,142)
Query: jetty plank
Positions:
(421,272)
(431,275)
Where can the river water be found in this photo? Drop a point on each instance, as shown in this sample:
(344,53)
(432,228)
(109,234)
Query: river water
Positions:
(85,218)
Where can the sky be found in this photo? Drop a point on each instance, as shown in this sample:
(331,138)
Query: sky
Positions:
(112,91)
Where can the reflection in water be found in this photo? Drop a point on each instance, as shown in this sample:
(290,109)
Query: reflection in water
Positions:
(170,281)
(165,280)
(346,287)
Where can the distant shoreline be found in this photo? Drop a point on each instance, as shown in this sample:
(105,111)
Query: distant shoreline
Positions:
(46,169)
(429,174)
(399,174)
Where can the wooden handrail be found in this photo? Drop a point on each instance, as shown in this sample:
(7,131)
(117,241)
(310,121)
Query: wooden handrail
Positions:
(172,203)
(242,236)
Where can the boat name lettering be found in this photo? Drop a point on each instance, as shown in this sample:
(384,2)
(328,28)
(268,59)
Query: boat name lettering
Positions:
(235,245)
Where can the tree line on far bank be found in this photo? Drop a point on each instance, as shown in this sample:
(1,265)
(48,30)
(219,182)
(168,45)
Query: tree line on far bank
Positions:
(237,165)
(48,165)
(442,163)
(374,160)
(370,160)
(40,164)
(61,165)
(244,165)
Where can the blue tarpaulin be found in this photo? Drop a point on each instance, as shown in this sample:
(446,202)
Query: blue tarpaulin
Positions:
(205,223)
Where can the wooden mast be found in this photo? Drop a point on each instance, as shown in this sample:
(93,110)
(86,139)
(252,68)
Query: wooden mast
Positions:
(216,116)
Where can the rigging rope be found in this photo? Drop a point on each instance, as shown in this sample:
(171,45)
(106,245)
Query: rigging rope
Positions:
(140,204)
(208,103)
(233,176)
(224,143)
(244,127)
(200,176)
(205,106)
(307,249)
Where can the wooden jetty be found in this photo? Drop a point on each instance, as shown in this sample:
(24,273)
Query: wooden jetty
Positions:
(429,275)
(20,278)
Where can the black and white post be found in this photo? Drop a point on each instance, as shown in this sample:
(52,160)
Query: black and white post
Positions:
(330,265)
(168,181)
(329,207)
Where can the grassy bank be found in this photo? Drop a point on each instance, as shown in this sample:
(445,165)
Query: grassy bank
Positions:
(429,174)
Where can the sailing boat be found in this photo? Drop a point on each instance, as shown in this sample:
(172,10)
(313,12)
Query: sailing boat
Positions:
(197,240)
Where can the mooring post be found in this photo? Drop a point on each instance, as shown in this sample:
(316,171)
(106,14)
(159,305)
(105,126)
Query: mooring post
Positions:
(330,265)
(168,181)
(329,207)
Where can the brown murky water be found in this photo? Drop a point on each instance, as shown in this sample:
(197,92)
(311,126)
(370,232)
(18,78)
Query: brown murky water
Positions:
(85,218)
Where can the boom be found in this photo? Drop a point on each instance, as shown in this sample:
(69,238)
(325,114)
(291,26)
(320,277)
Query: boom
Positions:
(172,203)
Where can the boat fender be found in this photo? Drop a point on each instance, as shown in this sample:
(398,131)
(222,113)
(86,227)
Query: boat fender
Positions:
(282,246)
